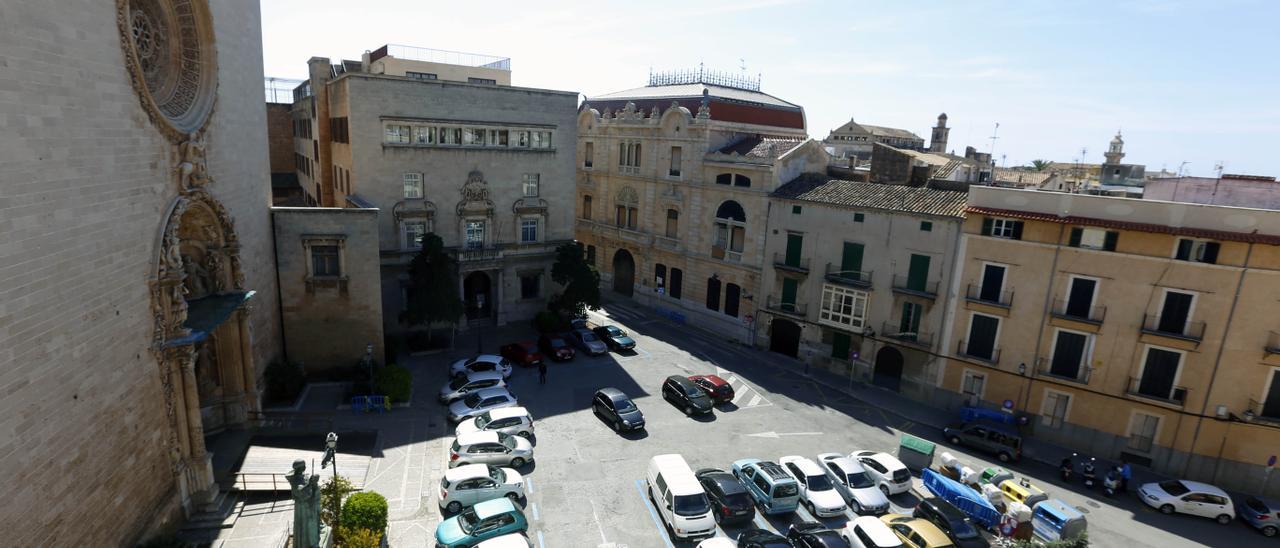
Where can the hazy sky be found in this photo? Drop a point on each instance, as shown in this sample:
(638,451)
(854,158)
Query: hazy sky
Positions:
(1187,81)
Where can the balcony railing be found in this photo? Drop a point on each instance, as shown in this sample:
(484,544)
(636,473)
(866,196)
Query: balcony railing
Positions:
(719,252)
(1176,396)
(667,243)
(1092,314)
(857,278)
(928,289)
(962,349)
(801,264)
(777,305)
(1273,343)
(1254,412)
(994,298)
(893,330)
(478,253)
(1192,331)
(1044,367)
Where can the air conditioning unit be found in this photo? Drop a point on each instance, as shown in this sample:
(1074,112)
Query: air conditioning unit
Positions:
(1222,412)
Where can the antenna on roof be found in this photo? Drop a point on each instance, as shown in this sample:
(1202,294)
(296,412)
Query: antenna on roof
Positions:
(1218,167)
(994,134)
(742,64)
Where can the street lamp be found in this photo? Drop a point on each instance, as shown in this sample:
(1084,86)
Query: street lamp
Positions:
(368,362)
(330,457)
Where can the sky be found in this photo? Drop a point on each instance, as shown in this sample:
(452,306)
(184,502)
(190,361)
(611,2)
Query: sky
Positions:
(1190,84)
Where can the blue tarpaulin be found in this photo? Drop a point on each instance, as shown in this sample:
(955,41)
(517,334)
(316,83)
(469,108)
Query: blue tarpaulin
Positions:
(962,497)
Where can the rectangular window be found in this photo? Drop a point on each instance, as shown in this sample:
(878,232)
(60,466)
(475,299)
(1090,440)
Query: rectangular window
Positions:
(1094,238)
(530,286)
(1159,375)
(338,130)
(1175,313)
(620,216)
(324,261)
(396,133)
(992,285)
(918,273)
(843,307)
(424,135)
(973,385)
(677,279)
(859,217)
(1080,298)
(413,232)
(1200,251)
(475,234)
(487,81)
(677,156)
(588,155)
(673,223)
(586,207)
(1142,432)
(909,323)
(473,136)
(795,210)
(633,217)
(591,255)
(412,185)
(502,138)
(537,139)
(926,226)
(1002,228)
(1053,412)
(528,230)
(982,337)
(1271,405)
(522,139)
(530,181)
(1070,354)
(420,75)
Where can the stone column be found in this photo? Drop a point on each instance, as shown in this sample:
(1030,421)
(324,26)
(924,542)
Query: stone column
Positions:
(175,398)
(191,402)
(248,369)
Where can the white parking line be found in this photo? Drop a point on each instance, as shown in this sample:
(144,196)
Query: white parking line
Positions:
(528,486)
(754,401)
(653,513)
(534,506)
(540,543)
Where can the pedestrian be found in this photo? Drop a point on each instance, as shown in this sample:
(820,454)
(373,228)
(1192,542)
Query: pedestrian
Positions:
(542,373)
(1126,473)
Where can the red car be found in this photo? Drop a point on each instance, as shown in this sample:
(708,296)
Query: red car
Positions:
(717,388)
(557,347)
(524,353)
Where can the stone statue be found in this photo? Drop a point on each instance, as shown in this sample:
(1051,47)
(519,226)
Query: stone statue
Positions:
(192,170)
(306,505)
(197,281)
(213,266)
(172,254)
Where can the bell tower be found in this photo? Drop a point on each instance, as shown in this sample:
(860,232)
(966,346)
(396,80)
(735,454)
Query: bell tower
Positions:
(938,143)
(1115,152)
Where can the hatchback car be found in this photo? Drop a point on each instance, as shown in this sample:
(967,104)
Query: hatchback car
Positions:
(762,538)
(616,339)
(954,523)
(811,534)
(460,386)
(483,362)
(509,420)
(486,520)
(614,407)
(916,532)
(851,479)
(682,393)
(817,493)
(730,501)
(1189,497)
(1263,514)
(886,470)
(996,439)
(556,347)
(490,448)
(509,540)
(770,486)
(469,484)
(588,342)
(524,353)
(478,402)
(716,388)
(869,532)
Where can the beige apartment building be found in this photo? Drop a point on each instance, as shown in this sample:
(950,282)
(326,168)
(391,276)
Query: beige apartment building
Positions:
(1128,329)
(673,192)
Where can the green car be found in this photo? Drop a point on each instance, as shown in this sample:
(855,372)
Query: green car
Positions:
(486,520)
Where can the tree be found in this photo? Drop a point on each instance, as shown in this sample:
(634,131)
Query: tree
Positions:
(580,280)
(433,287)
(1040,165)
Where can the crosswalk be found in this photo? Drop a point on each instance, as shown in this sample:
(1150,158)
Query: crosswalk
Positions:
(745,396)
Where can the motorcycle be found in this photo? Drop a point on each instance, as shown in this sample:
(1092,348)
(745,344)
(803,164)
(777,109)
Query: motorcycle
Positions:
(1111,483)
(1090,474)
(1065,469)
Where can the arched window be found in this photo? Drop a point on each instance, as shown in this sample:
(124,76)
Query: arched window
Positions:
(724,179)
(713,293)
(731,231)
(731,294)
(660,277)
(731,210)
(677,278)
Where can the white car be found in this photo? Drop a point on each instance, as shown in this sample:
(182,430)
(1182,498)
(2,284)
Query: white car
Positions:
(587,341)
(471,483)
(490,448)
(508,420)
(852,481)
(817,492)
(478,402)
(886,470)
(510,540)
(869,532)
(462,385)
(1189,497)
(715,542)
(483,362)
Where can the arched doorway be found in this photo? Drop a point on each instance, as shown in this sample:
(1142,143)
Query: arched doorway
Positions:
(888,370)
(624,272)
(784,337)
(476,293)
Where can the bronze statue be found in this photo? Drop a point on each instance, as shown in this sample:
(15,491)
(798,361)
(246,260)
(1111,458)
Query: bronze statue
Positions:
(306,505)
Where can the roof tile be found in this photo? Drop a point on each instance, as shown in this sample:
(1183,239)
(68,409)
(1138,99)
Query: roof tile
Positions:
(812,187)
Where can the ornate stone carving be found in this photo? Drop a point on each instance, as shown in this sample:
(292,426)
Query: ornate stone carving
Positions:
(193,168)
(628,195)
(213,265)
(475,195)
(196,282)
(169,53)
(190,264)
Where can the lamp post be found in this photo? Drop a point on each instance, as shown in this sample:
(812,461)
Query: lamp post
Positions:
(368,363)
(330,457)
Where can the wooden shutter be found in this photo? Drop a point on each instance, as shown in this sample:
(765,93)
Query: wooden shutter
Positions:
(1112,238)
(1076,234)
(986,225)
(1017,230)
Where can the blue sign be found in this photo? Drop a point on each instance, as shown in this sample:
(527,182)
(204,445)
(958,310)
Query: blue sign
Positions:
(853,355)
(1008,404)
(1271,461)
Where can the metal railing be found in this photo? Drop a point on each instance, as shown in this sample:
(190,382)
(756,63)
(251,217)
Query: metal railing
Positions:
(857,278)
(801,264)
(448,57)
(1177,395)
(719,252)
(478,253)
(1192,331)
(777,305)
(280,90)
(1092,314)
(701,75)
(902,284)
(963,349)
(893,330)
(1002,298)
(1044,367)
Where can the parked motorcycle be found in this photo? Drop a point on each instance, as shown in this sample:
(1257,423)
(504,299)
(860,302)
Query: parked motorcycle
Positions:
(1111,483)
(1089,473)
(1065,469)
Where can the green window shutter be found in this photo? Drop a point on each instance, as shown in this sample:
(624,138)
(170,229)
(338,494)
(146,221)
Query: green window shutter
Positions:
(851,259)
(789,287)
(987,222)
(795,210)
(840,343)
(926,226)
(1017,230)
(1112,238)
(918,274)
(1076,234)
(858,217)
(795,243)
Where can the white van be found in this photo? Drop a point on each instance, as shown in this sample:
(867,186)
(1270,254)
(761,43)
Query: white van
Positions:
(679,497)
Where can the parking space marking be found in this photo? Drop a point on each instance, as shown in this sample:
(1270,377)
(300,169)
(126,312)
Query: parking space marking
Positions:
(596,517)
(534,507)
(754,401)
(540,543)
(528,486)
(653,513)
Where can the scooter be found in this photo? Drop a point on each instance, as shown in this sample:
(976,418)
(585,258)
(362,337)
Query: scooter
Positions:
(1064,469)
(1090,474)
(1111,483)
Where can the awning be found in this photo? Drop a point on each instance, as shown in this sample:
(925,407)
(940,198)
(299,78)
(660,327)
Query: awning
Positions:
(205,315)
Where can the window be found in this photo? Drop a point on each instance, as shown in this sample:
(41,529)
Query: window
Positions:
(325,261)
(1200,251)
(981,343)
(1159,375)
(713,293)
(412,185)
(1070,354)
(338,131)
(1080,298)
(537,139)
(741,180)
(586,207)
(413,233)
(731,294)
(992,286)
(918,273)
(1094,238)
(673,223)
(395,133)
(530,285)
(588,155)
(1271,403)
(677,156)
(731,229)
(522,139)
(677,278)
(591,255)
(926,226)
(620,216)
(488,81)
(1002,228)
(473,136)
(973,385)
(660,277)
(1142,431)
(843,307)
(859,217)
(724,179)
(528,231)
(499,137)
(420,75)
(632,217)
(475,234)
(909,321)
(1175,312)
(795,210)
(629,158)
(530,181)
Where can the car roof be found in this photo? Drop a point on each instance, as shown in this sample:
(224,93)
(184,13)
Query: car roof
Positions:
(482,436)
(484,358)
(1204,488)
(808,467)
(487,392)
(493,507)
(885,459)
(923,527)
(508,412)
(611,393)
(726,482)
(466,472)
(992,425)
(483,375)
(943,507)
(682,381)
(680,479)
(880,533)
(714,379)
(845,464)
(774,471)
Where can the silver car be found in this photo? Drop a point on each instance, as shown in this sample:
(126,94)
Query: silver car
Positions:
(483,362)
(478,402)
(490,448)
(508,420)
(588,342)
(460,386)
(853,483)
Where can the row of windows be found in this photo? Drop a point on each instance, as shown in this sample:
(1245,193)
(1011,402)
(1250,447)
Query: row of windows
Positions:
(341,180)
(302,128)
(303,163)
(466,136)
(414,189)
(475,231)
(629,158)
(1186,249)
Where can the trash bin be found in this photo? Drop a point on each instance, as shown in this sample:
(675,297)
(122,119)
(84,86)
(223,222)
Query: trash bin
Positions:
(916,453)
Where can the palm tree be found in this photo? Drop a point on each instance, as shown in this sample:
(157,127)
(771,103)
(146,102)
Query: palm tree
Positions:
(1040,165)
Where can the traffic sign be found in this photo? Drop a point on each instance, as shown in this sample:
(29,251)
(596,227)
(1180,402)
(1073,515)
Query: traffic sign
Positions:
(1271,461)
(854,355)
(1008,404)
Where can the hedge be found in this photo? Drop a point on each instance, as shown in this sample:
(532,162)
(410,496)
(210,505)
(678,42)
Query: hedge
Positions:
(394,381)
(365,510)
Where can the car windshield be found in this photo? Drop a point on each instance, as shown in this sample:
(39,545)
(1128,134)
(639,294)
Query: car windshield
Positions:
(557,343)
(737,500)
(497,474)
(859,480)
(624,405)
(819,483)
(472,399)
(507,441)
(504,363)
(589,337)
(785,490)
(1174,487)
(483,420)
(1256,505)
(457,383)
(467,520)
(615,331)
(692,505)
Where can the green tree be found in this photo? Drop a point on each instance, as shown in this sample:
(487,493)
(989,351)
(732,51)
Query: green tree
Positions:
(1040,165)
(331,495)
(580,280)
(433,287)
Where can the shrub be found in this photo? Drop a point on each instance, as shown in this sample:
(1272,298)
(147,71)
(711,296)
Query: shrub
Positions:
(356,537)
(284,381)
(365,510)
(394,381)
(548,322)
(331,495)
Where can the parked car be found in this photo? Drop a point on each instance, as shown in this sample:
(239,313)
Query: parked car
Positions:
(588,342)
(509,540)
(611,405)
(954,523)
(853,482)
(509,420)
(1263,514)
(886,470)
(679,498)
(718,542)
(556,347)
(1189,497)
(460,386)
(716,388)
(483,362)
(916,532)
(817,493)
(730,501)
(616,339)
(524,353)
(579,323)
(869,532)
(490,448)
(480,401)
(469,484)
(682,393)
(486,520)
(770,486)
(762,538)
(996,439)
(811,534)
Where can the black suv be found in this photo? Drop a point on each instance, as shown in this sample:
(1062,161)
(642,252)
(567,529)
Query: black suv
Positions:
(730,501)
(615,407)
(951,521)
(682,393)
(760,538)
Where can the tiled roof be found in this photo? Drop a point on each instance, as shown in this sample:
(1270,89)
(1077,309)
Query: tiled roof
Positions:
(1127,225)
(883,131)
(1022,176)
(695,91)
(811,187)
(764,148)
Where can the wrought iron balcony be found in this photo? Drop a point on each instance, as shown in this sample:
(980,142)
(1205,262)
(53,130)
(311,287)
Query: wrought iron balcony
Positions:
(856,278)
(1044,367)
(901,284)
(1177,395)
(893,330)
(800,264)
(993,298)
(1189,330)
(478,253)
(1091,314)
(962,349)
(792,309)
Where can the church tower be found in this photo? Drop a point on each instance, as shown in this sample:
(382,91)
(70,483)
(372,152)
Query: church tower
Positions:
(1115,152)
(939,141)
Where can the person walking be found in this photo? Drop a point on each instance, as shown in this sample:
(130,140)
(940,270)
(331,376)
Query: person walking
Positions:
(1126,474)
(542,373)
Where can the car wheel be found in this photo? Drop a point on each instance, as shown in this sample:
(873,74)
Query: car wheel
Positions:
(517,462)
(1269,531)
(954,440)
(1224,519)
(688,411)
(884,490)
(717,516)
(616,426)
(453,507)
(1005,457)
(809,506)
(525,435)
(1166,509)
(515,498)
